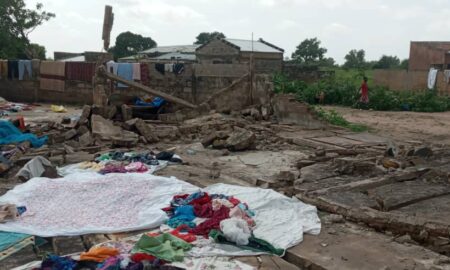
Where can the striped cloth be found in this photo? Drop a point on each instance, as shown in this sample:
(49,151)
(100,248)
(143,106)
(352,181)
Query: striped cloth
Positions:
(53,75)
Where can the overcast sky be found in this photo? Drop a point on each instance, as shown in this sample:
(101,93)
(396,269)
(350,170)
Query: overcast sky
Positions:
(377,26)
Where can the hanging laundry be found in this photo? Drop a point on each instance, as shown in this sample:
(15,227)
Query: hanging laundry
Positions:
(136,71)
(35,67)
(125,71)
(25,68)
(13,69)
(80,71)
(144,74)
(111,67)
(3,69)
(432,75)
(160,68)
(52,75)
(178,68)
(165,246)
(98,254)
(168,68)
(447,76)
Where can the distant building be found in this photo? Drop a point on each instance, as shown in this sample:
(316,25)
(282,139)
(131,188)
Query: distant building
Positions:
(267,57)
(426,54)
(82,57)
(178,53)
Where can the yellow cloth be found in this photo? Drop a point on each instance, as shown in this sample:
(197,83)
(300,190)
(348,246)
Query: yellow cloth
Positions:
(56,108)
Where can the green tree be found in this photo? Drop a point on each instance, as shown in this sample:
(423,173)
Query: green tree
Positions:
(36,51)
(404,64)
(309,52)
(387,62)
(128,44)
(16,23)
(205,37)
(355,59)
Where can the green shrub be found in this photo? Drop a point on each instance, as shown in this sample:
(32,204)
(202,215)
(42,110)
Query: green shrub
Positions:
(343,90)
(334,118)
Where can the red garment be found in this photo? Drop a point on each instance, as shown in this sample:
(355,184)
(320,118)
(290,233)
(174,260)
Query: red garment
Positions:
(234,201)
(145,80)
(80,71)
(203,210)
(364,92)
(183,236)
(201,200)
(182,196)
(213,223)
(139,257)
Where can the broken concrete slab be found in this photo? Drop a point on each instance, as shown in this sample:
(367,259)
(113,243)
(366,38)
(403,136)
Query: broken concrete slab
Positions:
(86,139)
(70,134)
(104,129)
(146,131)
(396,195)
(240,139)
(352,247)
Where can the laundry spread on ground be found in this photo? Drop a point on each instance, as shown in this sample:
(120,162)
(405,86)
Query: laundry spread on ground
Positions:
(11,134)
(124,162)
(105,203)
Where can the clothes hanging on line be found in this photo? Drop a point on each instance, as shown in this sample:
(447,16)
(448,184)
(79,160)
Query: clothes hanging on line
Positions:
(111,67)
(168,67)
(25,68)
(432,76)
(144,74)
(53,75)
(136,71)
(178,68)
(80,71)
(160,68)
(447,76)
(3,69)
(13,69)
(125,71)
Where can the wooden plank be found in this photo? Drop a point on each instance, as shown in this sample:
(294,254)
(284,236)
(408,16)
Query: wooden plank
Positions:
(337,141)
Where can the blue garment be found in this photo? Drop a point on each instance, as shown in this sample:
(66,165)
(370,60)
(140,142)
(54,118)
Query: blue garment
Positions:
(125,70)
(156,103)
(25,65)
(182,215)
(10,134)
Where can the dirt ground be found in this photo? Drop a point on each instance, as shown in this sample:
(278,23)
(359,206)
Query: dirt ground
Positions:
(402,126)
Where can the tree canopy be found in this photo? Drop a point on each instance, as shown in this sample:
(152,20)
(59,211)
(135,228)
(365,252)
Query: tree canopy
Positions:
(309,52)
(128,44)
(387,62)
(205,37)
(355,59)
(16,23)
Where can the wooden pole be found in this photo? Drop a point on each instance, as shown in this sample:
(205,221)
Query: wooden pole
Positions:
(102,72)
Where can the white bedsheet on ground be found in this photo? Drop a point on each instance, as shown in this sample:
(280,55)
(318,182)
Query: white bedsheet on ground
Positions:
(92,203)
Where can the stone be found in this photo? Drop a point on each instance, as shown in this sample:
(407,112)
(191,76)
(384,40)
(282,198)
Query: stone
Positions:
(405,239)
(240,139)
(287,176)
(85,114)
(145,130)
(70,134)
(333,218)
(127,112)
(104,129)
(86,139)
(110,112)
(78,157)
(223,134)
(130,124)
(424,152)
(390,163)
(208,140)
(82,130)
(219,144)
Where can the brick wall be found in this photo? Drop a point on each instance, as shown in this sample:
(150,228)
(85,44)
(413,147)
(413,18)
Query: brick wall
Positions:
(425,54)
(403,80)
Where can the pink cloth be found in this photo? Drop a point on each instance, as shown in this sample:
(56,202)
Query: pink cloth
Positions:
(136,71)
(136,167)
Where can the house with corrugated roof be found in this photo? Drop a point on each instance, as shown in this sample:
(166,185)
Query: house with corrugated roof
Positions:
(267,57)
(175,53)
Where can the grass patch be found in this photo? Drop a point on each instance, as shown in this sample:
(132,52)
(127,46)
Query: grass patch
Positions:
(334,118)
